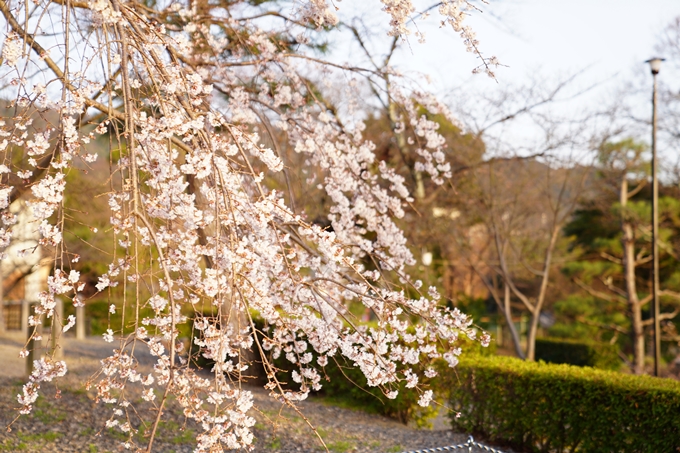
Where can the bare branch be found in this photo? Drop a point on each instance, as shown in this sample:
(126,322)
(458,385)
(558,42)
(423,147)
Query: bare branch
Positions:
(599,294)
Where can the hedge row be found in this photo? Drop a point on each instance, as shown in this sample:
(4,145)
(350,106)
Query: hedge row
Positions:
(580,353)
(538,407)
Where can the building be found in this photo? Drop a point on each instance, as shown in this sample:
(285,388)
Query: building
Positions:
(23,270)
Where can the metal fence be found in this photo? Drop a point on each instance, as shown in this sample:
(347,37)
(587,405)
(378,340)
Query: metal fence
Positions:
(470,444)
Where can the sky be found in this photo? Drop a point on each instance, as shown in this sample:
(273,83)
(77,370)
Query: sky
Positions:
(604,38)
(602,44)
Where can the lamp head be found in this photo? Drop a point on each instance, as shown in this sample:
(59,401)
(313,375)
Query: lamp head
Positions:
(655,64)
(427,258)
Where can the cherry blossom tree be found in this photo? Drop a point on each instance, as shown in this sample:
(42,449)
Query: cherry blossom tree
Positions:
(200,103)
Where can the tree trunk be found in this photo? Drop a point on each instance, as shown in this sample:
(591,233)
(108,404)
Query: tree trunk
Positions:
(638,339)
(504,307)
(635,311)
(511,325)
(2,306)
(540,300)
(531,336)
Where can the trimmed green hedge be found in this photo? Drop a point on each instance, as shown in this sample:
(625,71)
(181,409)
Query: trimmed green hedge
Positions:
(580,353)
(538,407)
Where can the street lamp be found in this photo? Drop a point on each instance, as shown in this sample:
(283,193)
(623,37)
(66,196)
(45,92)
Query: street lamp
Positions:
(655,66)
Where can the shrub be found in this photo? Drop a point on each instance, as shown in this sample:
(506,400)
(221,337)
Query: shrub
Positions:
(579,353)
(540,407)
(347,385)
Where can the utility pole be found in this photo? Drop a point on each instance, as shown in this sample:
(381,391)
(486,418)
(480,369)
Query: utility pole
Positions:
(655,66)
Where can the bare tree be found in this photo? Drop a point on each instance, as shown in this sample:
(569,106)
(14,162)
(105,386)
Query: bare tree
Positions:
(522,194)
(523,206)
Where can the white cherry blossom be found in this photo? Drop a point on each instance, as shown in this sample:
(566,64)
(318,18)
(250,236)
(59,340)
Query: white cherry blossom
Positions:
(203,131)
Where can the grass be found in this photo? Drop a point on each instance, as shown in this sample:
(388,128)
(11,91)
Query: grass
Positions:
(341,446)
(184,437)
(87,432)
(273,415)
(275,444)
(395,449)
(46,412)
(47,437)
(48,416)
(24,440)
(117,434)
(9,446)
(78,391)
(338,446)
(169,431)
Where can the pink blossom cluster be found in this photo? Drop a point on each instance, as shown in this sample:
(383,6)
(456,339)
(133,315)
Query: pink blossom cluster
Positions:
(44,370)
(207,112)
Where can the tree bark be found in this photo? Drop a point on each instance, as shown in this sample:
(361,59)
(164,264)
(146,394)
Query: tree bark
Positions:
(540,300)
(634,307)
(504,307)
(511,325)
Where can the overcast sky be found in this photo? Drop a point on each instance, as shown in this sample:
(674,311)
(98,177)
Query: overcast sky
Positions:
(605,42)
(552,37)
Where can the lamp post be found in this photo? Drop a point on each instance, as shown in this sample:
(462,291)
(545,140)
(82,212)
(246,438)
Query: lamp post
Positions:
(655,66)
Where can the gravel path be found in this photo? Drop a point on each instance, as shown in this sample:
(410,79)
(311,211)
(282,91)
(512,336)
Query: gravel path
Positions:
(73,422)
